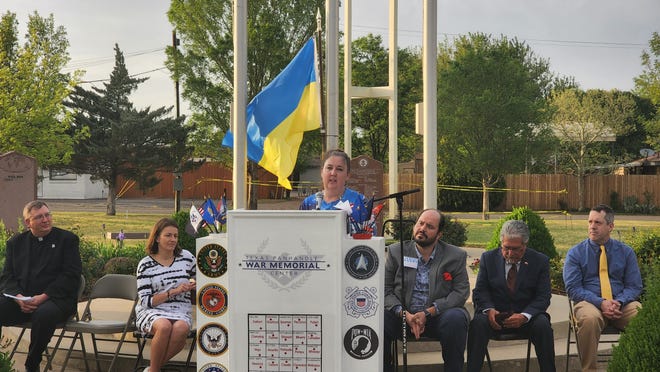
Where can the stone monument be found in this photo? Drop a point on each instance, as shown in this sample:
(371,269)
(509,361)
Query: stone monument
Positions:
(366,176)
(18,186)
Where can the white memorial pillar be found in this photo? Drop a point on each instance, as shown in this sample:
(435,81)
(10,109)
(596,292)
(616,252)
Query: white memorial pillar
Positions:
(301,295)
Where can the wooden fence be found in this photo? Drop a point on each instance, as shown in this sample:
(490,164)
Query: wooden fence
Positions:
(543,192)
(556,191)
(537,191)
(210,179)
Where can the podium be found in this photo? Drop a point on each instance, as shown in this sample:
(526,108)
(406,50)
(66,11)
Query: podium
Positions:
(289,291)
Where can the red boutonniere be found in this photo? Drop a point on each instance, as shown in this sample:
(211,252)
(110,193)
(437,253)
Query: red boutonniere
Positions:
(446,276)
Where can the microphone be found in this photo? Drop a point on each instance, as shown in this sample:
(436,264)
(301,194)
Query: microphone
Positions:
(319,200)
(398,194)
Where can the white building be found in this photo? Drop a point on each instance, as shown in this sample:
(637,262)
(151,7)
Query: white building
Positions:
(58,184)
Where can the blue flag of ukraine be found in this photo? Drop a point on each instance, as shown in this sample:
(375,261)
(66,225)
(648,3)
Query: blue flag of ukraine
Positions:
(280,113)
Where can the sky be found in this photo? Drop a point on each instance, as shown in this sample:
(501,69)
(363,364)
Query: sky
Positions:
(599,42)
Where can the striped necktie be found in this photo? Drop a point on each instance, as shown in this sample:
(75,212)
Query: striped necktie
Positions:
(605,287)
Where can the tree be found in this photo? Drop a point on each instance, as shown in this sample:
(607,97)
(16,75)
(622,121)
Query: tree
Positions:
(583,121)
(204,64)
(648,85)
(491,107)
(33,119)
(122,140)
(370,116)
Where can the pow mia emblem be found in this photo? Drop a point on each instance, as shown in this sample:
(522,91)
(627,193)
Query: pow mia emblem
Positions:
(212,260)
(213,367)
(361,341)
(361,302)
(361,262)
(212,339)
(212,299)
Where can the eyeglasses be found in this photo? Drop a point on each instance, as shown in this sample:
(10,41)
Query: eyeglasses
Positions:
(513,249)
(42,217)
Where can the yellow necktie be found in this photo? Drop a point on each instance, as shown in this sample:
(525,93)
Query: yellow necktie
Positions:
(605,287)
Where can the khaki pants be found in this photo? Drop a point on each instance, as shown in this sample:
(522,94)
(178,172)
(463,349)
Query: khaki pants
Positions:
(590,323)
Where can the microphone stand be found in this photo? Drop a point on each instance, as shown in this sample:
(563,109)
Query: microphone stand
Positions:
(404,325)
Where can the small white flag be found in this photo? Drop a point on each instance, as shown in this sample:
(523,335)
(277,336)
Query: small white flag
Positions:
(195,217)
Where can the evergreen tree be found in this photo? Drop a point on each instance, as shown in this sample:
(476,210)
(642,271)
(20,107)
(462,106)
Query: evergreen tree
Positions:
(122,140)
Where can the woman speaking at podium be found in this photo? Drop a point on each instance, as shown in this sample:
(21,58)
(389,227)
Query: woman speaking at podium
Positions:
(334,173)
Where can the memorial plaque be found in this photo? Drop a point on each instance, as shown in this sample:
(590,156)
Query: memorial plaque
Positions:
(366,176)
(18,186)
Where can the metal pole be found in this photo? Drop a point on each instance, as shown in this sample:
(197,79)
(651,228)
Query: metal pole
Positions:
(319,61)
(404,326)
(177,192)
(430,104)
(240,104)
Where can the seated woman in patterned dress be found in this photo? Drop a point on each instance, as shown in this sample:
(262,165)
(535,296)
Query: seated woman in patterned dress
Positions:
(165,279)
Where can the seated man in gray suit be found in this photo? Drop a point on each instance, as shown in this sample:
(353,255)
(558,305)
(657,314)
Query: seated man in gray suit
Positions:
(511,295)
(436,288)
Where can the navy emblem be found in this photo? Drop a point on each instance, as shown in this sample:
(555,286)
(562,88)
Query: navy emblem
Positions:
(360,302)
(361,262)
(213,367)
(361,341)
(212,339)
(212,299)
(212,260)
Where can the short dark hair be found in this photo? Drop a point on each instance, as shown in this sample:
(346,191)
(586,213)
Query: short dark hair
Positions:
(443,220)
(152,244)
(339,153)
(609,212)
(35,204)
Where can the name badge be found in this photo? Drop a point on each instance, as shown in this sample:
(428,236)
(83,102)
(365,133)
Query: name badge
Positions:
(410,262)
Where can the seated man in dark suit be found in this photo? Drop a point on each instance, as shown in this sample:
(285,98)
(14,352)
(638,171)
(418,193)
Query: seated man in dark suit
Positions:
(511,295)
(42,271)
(436,287)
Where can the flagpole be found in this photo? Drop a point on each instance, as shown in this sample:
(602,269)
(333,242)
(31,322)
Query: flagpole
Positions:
(239,104)
(319,63)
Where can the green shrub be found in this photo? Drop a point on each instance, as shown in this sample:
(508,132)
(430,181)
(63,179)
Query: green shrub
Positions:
(6,363)
(647,248)
(539,235)
(121,265)
(95,256)
(4,236)
(638,345)
(557,274)
(455,232)
(615,201)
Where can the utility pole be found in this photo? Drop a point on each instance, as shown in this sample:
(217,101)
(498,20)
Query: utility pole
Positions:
(178,176)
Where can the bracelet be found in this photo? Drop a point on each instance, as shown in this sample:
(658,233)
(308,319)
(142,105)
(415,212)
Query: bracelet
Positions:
(168,294)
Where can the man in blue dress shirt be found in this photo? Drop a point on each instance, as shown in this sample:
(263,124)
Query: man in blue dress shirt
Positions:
(602,297)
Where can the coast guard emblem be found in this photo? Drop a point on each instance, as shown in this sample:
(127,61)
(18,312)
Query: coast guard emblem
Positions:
(361,302)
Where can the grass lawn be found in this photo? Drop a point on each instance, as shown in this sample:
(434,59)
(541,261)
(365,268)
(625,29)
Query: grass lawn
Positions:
(566,230)
(94,225)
